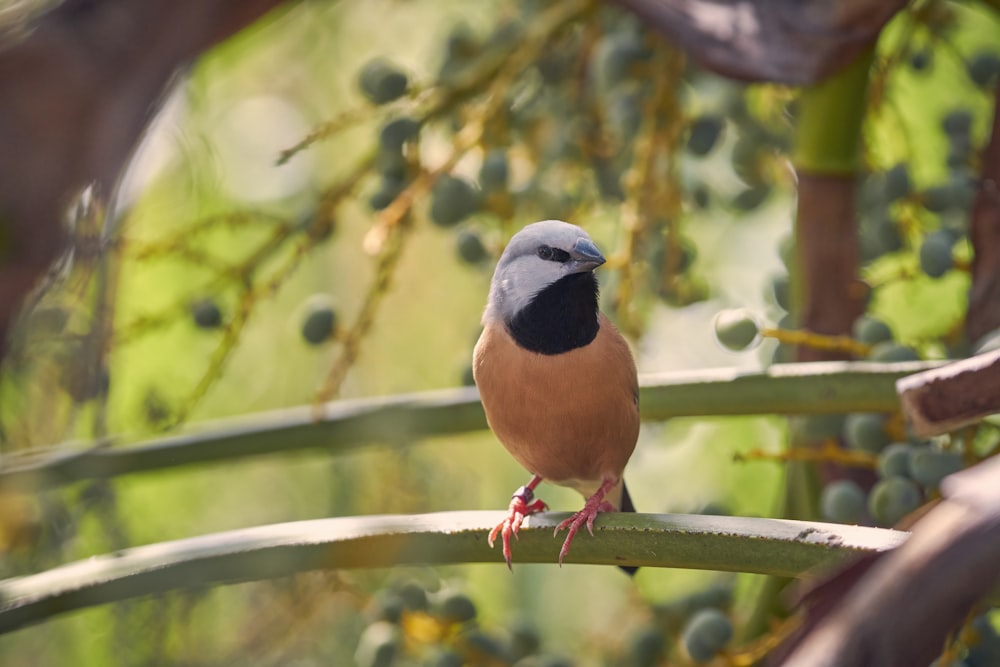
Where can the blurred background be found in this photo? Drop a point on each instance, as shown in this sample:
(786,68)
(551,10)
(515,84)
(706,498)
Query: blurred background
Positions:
(315,214)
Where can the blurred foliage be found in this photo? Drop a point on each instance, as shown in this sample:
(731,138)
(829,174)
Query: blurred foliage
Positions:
(315,214)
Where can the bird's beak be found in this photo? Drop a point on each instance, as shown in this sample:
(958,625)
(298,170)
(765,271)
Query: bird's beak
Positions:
(585,256)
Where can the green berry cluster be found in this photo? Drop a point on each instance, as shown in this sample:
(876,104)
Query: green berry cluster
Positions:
(412,624)
(909,472)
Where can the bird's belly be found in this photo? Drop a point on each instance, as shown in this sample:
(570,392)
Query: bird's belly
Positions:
(571,417)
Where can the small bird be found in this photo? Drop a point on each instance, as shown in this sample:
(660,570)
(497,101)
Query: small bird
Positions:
(557,381)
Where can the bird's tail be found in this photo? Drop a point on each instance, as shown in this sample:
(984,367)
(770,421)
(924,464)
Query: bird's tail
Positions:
(627,506)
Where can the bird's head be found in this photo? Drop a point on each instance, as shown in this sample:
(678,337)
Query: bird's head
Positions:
(536,257)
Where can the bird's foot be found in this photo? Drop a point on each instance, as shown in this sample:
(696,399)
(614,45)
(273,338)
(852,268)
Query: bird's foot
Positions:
(585,517)
(522,504)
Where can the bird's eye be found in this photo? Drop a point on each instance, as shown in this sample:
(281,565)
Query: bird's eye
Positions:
(550,254)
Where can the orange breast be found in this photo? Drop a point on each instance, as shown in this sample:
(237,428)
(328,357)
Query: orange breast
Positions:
(571,418)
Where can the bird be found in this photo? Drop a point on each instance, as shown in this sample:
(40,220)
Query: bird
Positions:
(556,379)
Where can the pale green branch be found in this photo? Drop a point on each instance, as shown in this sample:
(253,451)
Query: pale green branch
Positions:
(767,546)
(816,388)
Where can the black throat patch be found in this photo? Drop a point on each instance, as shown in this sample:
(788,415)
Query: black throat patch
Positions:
(562,317)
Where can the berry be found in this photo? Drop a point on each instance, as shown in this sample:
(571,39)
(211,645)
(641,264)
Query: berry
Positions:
(871,330)
(486,649)
(894,460)
(470,247)
(320,319)
(456,607)
(396,133)
(379,645)
(385,606)
(686,254)
(959,152)
(749,199)
(928,465)
(952,196)
(957,122)
(700,195)
(461,43)
(887,236)
(866,431)
(206,314)
(985,650)
(816,428)
(781,291)
(444,657)
(935,254)
(983,68)
(921,60)
(706,633)
(452,200)
(389,189)
(705,133)
(736,329)
(645,647)
(748,159)
(717,595)
(413,596)
(675,612)
(889,352)
(461,49)
(893,498)
(494,172)
(715,508)
(390,163)
(381,81)
(897,182)
(955,195)
(524,639)
(843,501)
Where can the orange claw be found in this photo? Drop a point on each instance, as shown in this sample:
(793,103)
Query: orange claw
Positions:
(522,504)
(594,506)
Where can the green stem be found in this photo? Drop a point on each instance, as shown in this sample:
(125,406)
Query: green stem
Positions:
(816,388)
(830,116)
(769,546)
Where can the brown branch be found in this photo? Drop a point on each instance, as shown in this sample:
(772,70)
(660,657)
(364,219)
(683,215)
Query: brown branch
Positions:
(827,261)
(899,608)
(787,41)
(76,94)
(947,398)
(827,247)
(983,315)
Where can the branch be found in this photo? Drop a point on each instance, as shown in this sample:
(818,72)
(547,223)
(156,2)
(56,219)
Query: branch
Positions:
(827,159)
(959,394)
(767,546)
(827,293)
(983,314)
(786,41)
(75,96)
(903,605)
(817,388)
